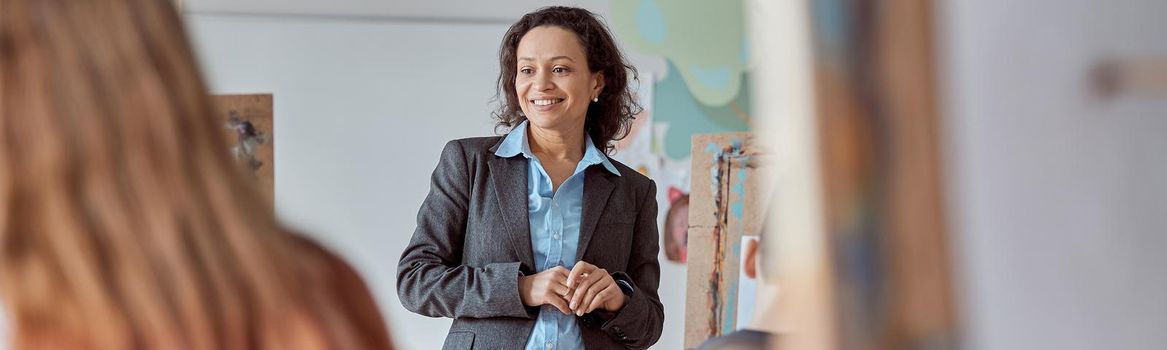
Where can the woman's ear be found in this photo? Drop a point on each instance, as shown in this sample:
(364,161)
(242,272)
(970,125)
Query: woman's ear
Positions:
(597,84)
(751,266)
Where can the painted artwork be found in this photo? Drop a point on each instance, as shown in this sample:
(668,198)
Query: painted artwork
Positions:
(699,86)
(247,121)
(724,208)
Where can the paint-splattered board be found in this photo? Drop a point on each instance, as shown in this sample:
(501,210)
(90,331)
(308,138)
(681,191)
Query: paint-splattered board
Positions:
(247,122)
(724,206)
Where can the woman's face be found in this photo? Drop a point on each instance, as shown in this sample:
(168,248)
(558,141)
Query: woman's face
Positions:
(553,83)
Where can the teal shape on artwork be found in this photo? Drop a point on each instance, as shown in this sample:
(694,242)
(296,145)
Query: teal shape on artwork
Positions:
(740,186)
(650,22)
(673,104)
(712,148)
(745,57)
(729,318)
(738,109)
(716,78)
(737,208)
(704,39)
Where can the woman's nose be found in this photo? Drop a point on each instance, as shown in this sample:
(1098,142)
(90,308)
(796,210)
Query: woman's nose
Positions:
(542,82)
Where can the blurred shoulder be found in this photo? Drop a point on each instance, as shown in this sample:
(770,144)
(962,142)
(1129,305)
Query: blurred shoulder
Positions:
(322,259)
(345,292)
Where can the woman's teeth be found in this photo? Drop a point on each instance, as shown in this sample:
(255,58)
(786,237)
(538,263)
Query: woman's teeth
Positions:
(547,102)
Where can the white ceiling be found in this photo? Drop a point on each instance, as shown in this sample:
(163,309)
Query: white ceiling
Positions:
(427,10)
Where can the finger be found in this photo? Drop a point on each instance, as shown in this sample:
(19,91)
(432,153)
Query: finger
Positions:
(559,271)
(561,290)
(608,293)
(579,298)
(580,268)
(595,276)
(560,279)
(559,303)
(597,301)
(558,276)
(590,296)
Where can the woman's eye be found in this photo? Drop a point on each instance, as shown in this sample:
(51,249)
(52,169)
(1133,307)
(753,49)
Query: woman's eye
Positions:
(526,71)
(559,70)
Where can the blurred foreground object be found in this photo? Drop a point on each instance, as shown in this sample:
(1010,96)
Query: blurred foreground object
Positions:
(878,125)
(862,240)
(1146,77)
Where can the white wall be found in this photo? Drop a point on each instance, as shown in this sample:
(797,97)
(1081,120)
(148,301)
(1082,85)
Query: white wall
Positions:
(1058,199)
(363,105)
(465,10)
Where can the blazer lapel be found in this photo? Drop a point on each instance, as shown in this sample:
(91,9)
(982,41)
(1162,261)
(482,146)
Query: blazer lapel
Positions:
(597,188)
(509,180)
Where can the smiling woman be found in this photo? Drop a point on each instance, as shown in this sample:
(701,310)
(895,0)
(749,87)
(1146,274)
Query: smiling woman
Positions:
(537,239)
(586,51)
(554,92)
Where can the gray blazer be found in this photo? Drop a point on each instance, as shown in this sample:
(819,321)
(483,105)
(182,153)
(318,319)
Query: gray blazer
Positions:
(473,241)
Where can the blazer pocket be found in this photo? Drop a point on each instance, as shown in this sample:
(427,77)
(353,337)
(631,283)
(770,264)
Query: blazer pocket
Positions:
(460,340)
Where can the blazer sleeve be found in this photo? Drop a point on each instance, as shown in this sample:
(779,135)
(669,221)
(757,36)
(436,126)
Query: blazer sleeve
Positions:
(639,323)
(431,279)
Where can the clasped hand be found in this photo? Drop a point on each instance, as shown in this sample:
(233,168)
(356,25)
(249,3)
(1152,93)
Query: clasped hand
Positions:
(579,291)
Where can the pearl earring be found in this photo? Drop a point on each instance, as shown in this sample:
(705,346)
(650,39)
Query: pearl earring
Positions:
(595,99)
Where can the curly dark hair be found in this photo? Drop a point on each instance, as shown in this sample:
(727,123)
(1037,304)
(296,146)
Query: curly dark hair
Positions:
(609,119)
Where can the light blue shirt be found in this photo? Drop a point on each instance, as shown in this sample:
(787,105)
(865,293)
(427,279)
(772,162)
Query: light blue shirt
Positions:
(554,219)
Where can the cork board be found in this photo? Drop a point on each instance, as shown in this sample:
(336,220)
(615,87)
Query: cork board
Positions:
(247,122)
(724,206)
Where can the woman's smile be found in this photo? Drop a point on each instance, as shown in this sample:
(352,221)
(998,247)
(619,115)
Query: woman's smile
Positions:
(545,104)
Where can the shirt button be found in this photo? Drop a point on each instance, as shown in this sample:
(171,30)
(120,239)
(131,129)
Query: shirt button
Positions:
(555,236)
(550,345)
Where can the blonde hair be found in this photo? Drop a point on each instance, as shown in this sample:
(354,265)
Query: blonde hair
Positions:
(124,223)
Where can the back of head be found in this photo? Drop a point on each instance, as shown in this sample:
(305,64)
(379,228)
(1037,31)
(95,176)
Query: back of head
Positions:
(123,221)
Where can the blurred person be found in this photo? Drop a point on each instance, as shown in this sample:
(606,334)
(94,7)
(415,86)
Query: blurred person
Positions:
(676,234)
(766,321)
(537,239)
(124,222)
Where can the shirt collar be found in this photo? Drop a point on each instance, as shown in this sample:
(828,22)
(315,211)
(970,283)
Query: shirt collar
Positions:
(516,143)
